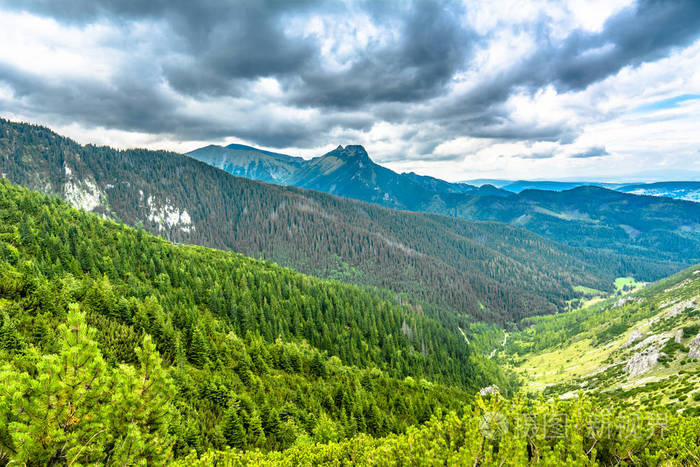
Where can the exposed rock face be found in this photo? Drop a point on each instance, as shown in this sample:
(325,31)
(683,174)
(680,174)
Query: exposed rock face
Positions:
(653,341)
(642,362)
(679,336)
(678,308)
(634,336)
(694,347)
(621,302)
(493,389)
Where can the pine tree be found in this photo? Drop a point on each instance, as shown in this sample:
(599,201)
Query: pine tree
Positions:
(318,367)
(233,427)
(256,435)
(197,351)
(58,413)
(140,411)
(9,337)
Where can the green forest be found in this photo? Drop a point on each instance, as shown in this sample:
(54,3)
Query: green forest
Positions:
(118,347)
(248,354)
(485,270)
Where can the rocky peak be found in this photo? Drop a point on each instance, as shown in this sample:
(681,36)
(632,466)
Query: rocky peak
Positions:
(352,152)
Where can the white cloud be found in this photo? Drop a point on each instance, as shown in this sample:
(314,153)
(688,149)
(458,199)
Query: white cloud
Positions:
(404,135)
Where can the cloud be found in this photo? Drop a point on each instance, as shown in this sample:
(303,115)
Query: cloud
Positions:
(415,81)
(430,47)
(539,155)
(596,151)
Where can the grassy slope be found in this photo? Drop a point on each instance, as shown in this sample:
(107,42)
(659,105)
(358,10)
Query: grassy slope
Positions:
(585,349)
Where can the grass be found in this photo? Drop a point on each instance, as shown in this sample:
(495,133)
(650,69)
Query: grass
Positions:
(587,290)
(593,362)
(629,282)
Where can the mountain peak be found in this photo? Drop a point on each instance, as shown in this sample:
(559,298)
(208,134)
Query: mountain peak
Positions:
(353,151)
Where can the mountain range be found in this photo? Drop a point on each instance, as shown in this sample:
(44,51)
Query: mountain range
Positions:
(333,171)
(685,190)
(582,215)
(488,270)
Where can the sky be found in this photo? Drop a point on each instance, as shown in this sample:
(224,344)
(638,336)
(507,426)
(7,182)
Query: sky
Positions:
(514,89)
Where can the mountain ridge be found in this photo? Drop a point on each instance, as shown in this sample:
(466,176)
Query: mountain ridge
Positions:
(476,269)
(602,222)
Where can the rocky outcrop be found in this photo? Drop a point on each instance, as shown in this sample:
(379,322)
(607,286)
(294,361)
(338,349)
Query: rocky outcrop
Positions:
(642,362)
(653,341)
(694,347)
(493,389)
(679,336)
(678,308)
(634,336)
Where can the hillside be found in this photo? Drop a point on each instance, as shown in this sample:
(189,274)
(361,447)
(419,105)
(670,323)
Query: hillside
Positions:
(243,353)
(245,161)
(486,270)
(664,231)
(116,345)
(642,348)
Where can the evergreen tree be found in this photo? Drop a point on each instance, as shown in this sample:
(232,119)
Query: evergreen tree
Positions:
(197,351)
(57,412)
(233,427)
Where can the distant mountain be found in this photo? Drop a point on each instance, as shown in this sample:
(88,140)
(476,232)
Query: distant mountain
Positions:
(439,186)
(345,171)
(249,162)
(574,213)
(522,185)
(685,190)
(594,217)
(486,270)
(497,182)
(689,191)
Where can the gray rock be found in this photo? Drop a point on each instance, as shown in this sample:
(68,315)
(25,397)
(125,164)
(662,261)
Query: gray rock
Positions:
(694,347)
(642,362)
(679,308)
(634,336)
(493,389)
(679,336)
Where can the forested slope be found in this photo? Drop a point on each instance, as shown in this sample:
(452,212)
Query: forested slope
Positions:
(665,232)
(486,270)
(241,352)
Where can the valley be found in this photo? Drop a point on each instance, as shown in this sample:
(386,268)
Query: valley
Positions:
(259,364)
(233,233)
(640,348)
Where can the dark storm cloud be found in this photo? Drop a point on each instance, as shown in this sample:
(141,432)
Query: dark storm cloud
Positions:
(124,104)
(596,151)
(217,49)
(431,47)
(638,34)
(141,106)
(631,37)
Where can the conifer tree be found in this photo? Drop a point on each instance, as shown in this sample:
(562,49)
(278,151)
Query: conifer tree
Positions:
(197,351)
(233,427)
(140,412)
(57,412)
(9,337)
